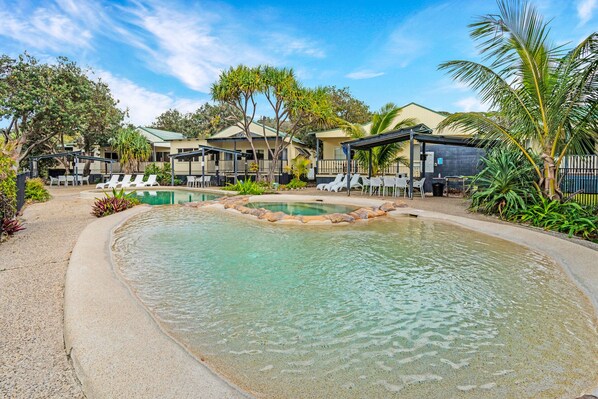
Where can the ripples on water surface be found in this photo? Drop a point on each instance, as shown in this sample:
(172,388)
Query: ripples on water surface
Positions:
(401,308)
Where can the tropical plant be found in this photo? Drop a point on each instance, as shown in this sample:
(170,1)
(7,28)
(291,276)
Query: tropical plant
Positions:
(296,183)
(383,121)
(290,102)
(117,202)
(299,167)
(203,122)
(504,186)
(163,173)
(568,217)
(8,183)
(543,94)
(247,187)
(35,191)
(131,147)
(10,226)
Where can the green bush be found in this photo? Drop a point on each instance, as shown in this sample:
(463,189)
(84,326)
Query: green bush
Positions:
(569,217)
(505,185)
(8,184)
(296,183)
(246,187)
(117,202)
(35,191)
(162,173)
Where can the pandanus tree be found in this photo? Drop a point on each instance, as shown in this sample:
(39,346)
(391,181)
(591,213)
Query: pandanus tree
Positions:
(382,121)
(131,148)
(291,104)
(545,96)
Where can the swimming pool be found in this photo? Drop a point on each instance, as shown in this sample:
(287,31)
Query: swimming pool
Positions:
(393,308)
(303,208)
(170,197)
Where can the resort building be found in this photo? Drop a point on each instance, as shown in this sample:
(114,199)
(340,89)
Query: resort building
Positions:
(440,159)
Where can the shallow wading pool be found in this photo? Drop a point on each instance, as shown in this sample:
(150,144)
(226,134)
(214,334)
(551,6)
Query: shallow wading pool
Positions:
(404,308)
(171,197)
(303,208)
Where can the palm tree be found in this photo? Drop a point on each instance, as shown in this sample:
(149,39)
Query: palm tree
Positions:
(382,122)
(131,147)
(545,96)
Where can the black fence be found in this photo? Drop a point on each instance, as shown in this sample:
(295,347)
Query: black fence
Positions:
(21,178)
(579,176)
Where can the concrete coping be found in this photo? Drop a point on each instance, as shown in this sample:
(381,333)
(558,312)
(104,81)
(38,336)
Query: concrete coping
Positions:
(118,348)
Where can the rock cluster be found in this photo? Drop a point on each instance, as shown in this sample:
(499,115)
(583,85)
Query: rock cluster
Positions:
(239,203)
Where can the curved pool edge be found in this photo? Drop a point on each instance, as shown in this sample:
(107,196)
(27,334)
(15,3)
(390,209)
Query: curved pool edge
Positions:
(116,347)
(575,259)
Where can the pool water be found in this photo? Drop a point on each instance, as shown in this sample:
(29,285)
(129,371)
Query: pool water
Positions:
(303,208)
(397,308)
(159,197)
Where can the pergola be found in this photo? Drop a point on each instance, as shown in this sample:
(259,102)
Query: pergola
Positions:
(203,150)
(74,155)
(420,133)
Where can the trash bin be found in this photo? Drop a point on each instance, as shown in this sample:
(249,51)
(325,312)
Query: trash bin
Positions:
(437,189)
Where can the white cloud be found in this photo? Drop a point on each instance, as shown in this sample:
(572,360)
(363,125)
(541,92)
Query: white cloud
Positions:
(364,74)
(144,105)
(585,10)
(45,28)
(471,104)
(290,45)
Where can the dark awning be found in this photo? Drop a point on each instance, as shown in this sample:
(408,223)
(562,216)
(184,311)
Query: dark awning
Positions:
(72,155)
(420,133)
(204,149)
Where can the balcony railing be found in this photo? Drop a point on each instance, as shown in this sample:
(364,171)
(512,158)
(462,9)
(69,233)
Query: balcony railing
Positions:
(335,166)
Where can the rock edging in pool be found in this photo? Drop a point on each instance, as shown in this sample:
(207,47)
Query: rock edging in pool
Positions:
(238,203)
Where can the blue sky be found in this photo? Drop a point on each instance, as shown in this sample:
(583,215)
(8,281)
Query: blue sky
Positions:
(157,55)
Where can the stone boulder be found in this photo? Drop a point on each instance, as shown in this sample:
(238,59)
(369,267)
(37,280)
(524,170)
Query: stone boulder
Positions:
(387,207)
(340,218)
(307,219)
(275,216)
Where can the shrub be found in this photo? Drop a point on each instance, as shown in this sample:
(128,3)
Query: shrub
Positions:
(117,202)
(569,217)
(162,173)
(296,183)
(35,191)
(10,226)
(8,183)
(246,187)
(505,185)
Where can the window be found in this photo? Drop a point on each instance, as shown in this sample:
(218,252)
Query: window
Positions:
(193,159)
(111,155)
(339,153)
(259,153)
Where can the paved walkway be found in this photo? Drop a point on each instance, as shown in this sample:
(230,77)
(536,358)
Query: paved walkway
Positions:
(33,362)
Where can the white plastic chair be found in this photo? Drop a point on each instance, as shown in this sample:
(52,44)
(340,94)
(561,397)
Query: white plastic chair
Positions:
(83,179)
(54,180)
(151,181)
(400,184)
(113,180)
(62,179)
(123,183)
(389,184)
(365,184)
(322,186)
(334,186)
(375,184)
(354,183)
(135,183)
(207,180)
(419,184)
(190,181)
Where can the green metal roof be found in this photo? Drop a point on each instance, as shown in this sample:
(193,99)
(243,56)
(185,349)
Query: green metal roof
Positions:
(161,135)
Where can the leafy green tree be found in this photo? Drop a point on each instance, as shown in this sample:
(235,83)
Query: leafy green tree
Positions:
(131,148)
(238,87)
(545,95)
(383,121)
(203,122)
(290,102)
(347,107)
(44,103)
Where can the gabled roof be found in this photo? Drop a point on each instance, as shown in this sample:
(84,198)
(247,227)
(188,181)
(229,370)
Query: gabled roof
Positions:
(159,136)
(257,130)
